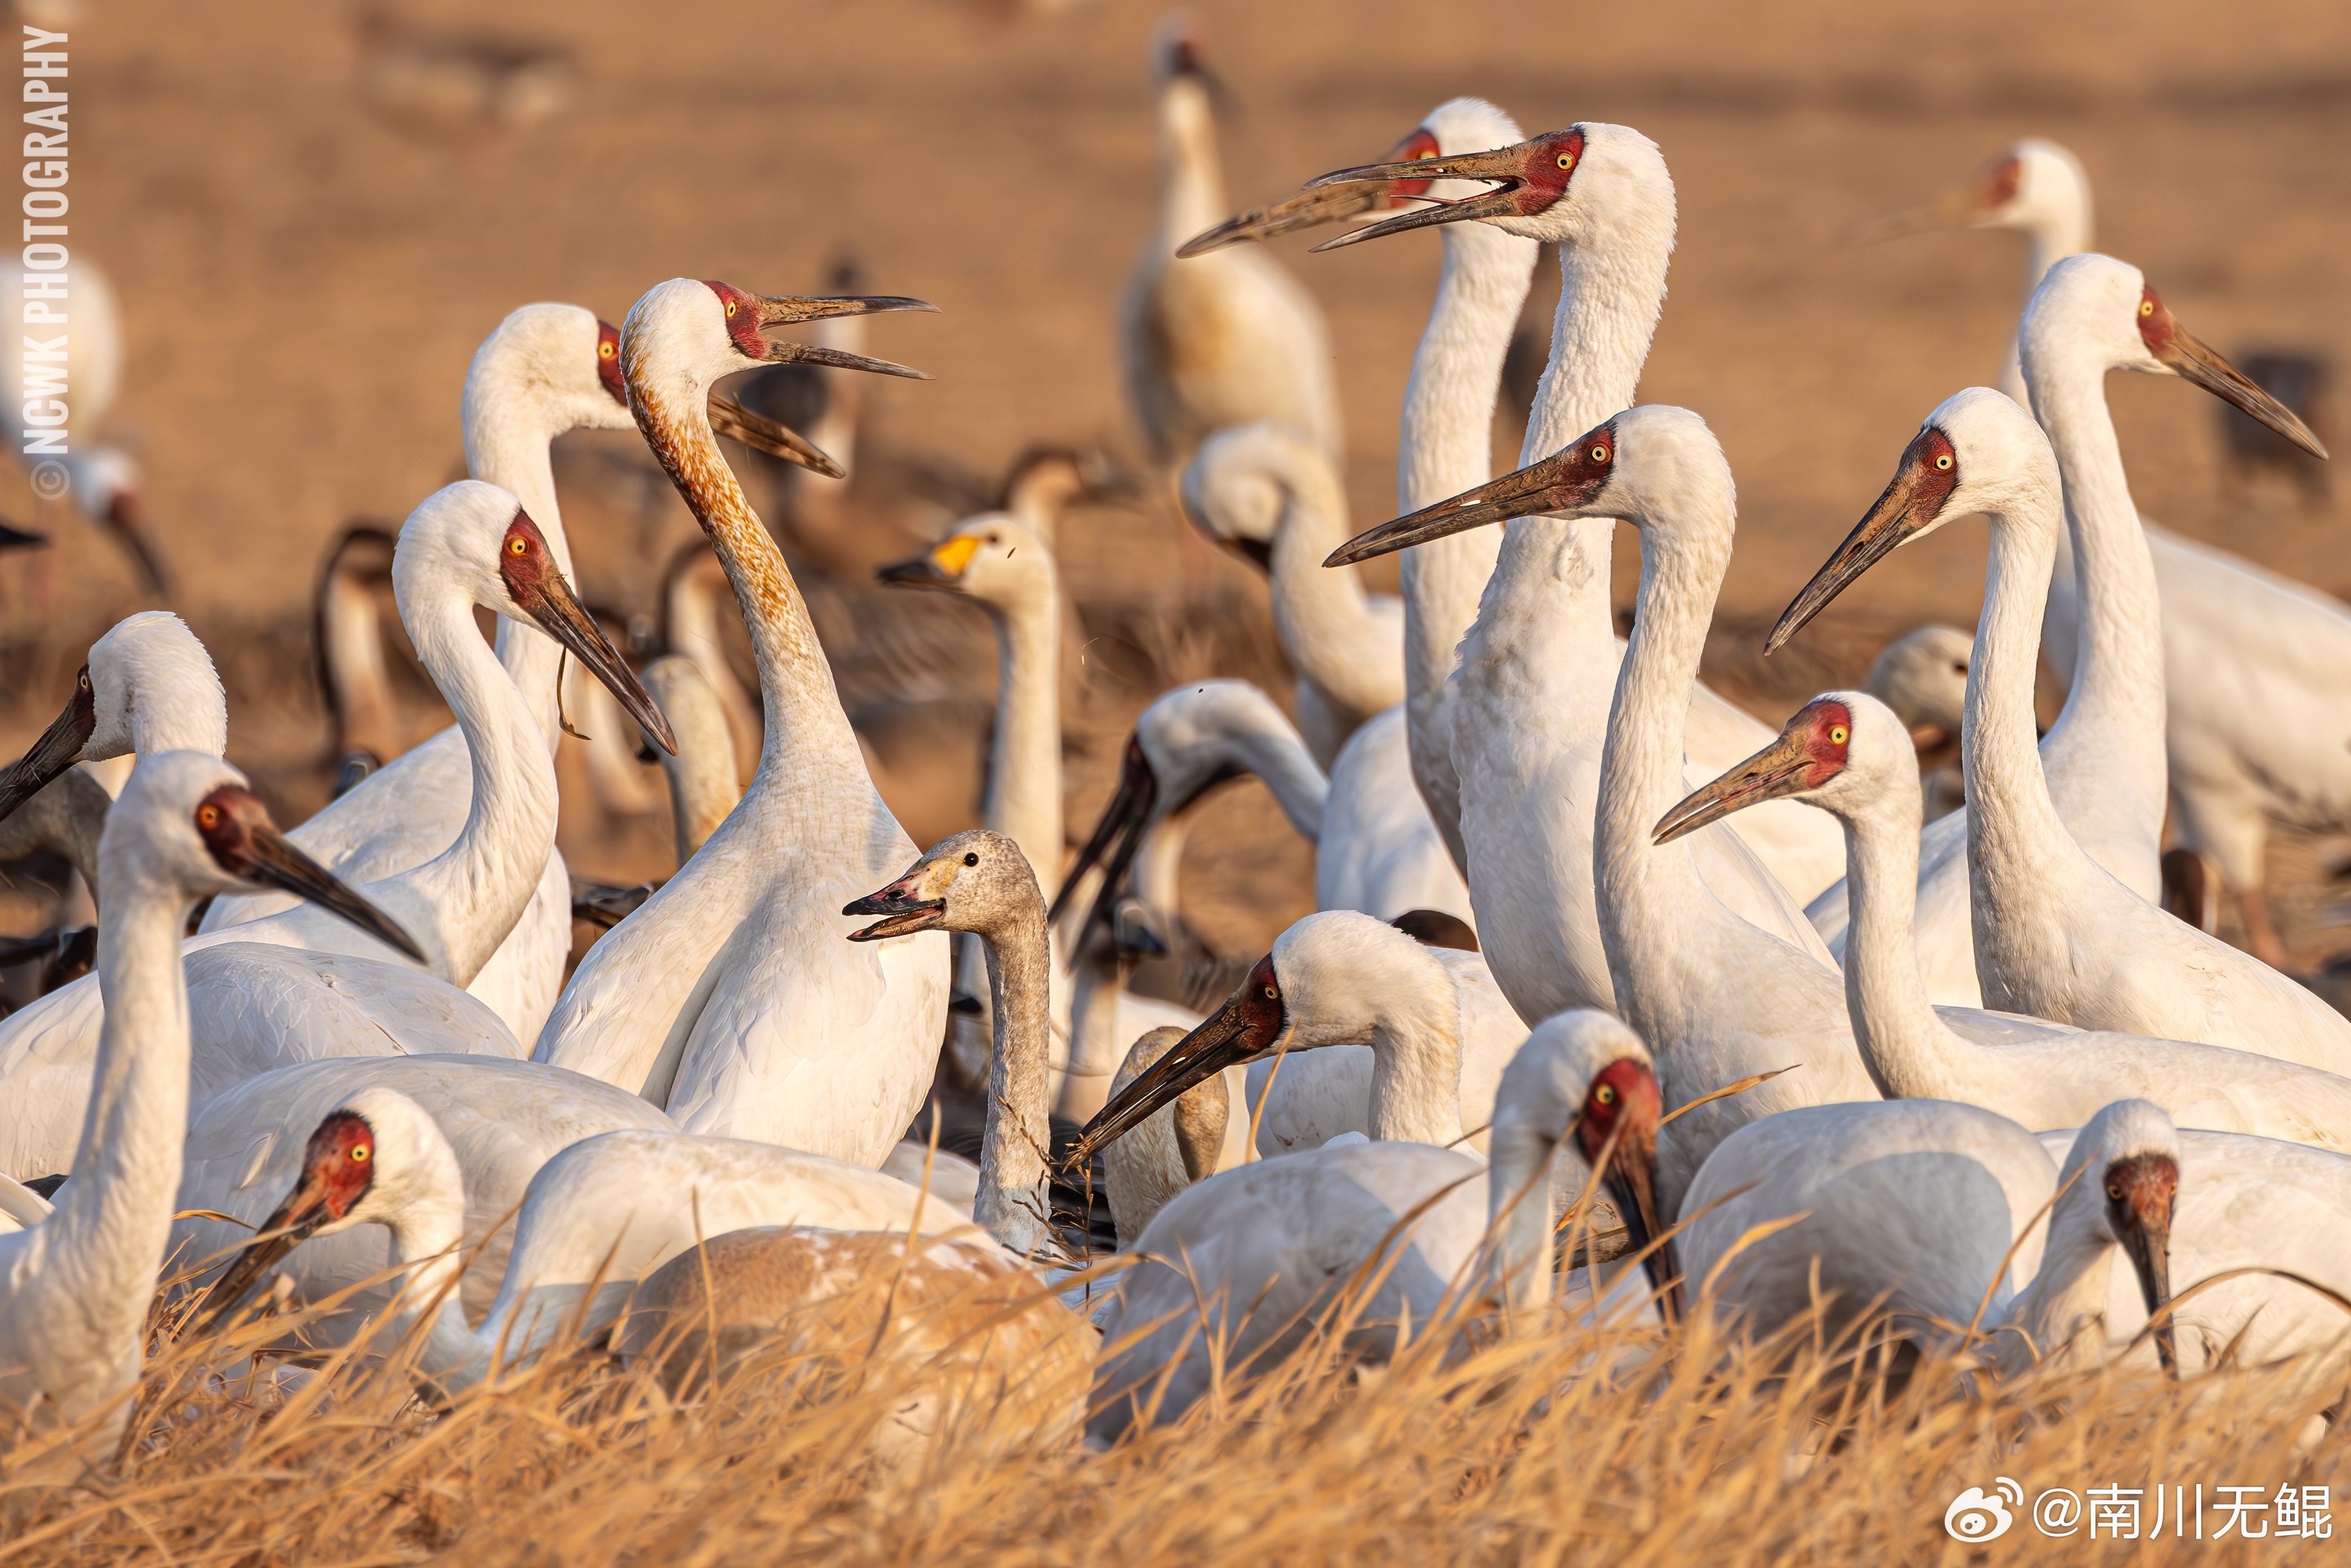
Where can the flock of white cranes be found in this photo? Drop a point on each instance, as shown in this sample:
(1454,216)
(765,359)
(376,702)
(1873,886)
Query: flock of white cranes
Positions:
(1582,923)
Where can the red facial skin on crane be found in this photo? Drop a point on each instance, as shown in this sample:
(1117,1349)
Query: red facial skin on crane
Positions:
(1932,466)
(1624,1090)
(524,562)
(1262,1009)
(1552,162)
(2156,327)
(742,318)
(2000,186)
(1826,727)
(1421,143)
(224,821)
(341,1160)
(608,362)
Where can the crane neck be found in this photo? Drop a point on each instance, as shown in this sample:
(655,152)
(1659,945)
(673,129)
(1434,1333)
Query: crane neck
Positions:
(1416,1053)
(1642,888)
(807,738)
(2115,710)
(470,894)
(1446,445)
(1282,762)
(1551,572)
(1322,615)
(1012,1204)
(1909,1052)
(105,1240)
(2014,836)
(1191,175)
(2053,233)
(1518,1179)
(508,430)
(2062,1310)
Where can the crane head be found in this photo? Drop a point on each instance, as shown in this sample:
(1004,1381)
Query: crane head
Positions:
(748,314)
(2179,350)
(1529,178)
(1618,1130)
(1573,478)
(608,362)
(339,1167)
(1250,1024)
(1324,205)
(1912,504)
(2140,1189)
(1812,748)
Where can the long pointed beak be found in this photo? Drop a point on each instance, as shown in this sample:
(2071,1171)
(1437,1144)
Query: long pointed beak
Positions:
(1896,516)
(2148,1243)
(556,610)
(1115,838)
(1311,209)
(904,912)
(59,748)
(1502,164)
(1535,488)
(1632,1181)
(1954,209)
(1773,773)
(271,858)
(786,310)
(294,1222)
(760,433)
(1220,1041)
(2195,361)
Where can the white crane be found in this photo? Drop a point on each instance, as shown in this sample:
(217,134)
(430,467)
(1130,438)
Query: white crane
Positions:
(703,783)
(1845,753)
(547,369)
(2105,756)
(609,1209)
(73,1315)
(1265,481)
(148,687)
(2183,1207)
(726,997)
(2055,934)
(1670,936)
(1528,715)
(2228,627)
(464,546)
(1219,340)
(502,1119)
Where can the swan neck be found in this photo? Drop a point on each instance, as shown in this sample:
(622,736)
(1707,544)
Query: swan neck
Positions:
(1024,773)
(1014,1147)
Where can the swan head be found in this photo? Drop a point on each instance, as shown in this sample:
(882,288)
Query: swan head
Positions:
(2092,305)
(1592,184)
(685,334)
(994,557)
(1978,452)
(187,822)
(1239,486)
(1845,752)
(474,540)
(2031,185)
(976,881)
(1458,126)
(1585,1078)
(377,1159)
(2125,1166)
(1657,466)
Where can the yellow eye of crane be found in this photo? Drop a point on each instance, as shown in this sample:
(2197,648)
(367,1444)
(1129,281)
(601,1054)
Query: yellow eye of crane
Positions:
(1944,461)
(1567,159)
(208,816)
(2115,1191)
(2147,307)
(520,547)
(1272,994)
(359,1151)
(730,307)
(1605,1095)
(1599,455)
(1836,735)
(606,351)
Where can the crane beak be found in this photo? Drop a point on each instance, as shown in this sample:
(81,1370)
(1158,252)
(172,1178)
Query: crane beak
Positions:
(268,856)
(1955,209)
(905,911)
(556,610)
(2190,359)
(1227,1037)
(1557,484)
(760,433)
(1310,209)
(1504,165)
(2141,1220)
(1903,509)
(1115,838)
(1632,1181)
(296,1221)
(781,310)
(59,748)
(1780,769)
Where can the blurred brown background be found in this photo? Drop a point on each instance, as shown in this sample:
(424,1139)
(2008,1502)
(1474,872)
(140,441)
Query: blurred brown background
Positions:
(307,246)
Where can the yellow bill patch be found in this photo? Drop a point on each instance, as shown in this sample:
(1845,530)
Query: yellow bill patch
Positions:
(952,556)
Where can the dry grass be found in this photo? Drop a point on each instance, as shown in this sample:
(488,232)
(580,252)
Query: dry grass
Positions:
(1684,1450)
